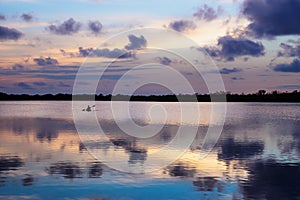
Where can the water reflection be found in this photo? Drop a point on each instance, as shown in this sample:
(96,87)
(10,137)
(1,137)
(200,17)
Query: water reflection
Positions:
(67,169)
(231,150)
(10,163)
(181,170)
(28,180)
(257,157)
(269,179)
(95,170)
(206,184)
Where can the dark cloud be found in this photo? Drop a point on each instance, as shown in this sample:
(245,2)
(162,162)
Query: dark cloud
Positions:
(182,25)
(27,17)
(61,84)
(271,18)
(207,13)
(136,42)
(9,33)
(95,27)
(18,67)
(165,61)
(237,79)
(115,53)
(235,47)
(24,86)
(287,87)
(69,66)
(39,83)
(229,71)
(45,61)
(68,27)
(291,67)
(2,17)
(289,50)
(55,77)
(69,54)
(232,47)
(114,77)
(212,51)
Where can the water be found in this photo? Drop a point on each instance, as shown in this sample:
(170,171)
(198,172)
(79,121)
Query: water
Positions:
(42,156)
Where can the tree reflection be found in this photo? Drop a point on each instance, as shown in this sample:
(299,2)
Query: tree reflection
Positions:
(137,155)
(67,169)
(46,129)
(10,163)
(239,150)
(272,180)
(205,183)
(180,170)
(2,180)
(28,180)
(95,170)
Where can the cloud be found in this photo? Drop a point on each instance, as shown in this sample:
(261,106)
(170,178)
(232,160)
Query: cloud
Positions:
(294,67)
(207,13)
(237,78)
(287,87)
(2,17)
(61,84)
(182,25)
(9,33)
(235,47)
(289,50)
(165,61)
(24,86)
(39,83)
(27,17)
(115,53)
(68,27)
(95,27)
(55,77)
(17,67)
(271,18)
(229,71)
(136,42)
(45,61)
(240,47)
(212,51)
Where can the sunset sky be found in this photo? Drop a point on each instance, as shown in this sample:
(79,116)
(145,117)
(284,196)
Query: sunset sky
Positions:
(254,43)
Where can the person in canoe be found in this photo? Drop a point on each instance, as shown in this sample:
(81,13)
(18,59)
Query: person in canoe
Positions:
(88,109)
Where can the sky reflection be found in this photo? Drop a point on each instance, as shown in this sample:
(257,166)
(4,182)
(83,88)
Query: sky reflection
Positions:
(256,158)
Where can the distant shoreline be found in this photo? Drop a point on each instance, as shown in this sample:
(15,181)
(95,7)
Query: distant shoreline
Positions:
(260,96)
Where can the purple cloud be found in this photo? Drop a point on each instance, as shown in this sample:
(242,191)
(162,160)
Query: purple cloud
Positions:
(136,42)
(182,25)
(95,27)
(9,33)
(271,18)
(293,67)
(68,27)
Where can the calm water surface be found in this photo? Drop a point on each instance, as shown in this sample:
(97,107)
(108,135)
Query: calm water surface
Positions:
(256,157)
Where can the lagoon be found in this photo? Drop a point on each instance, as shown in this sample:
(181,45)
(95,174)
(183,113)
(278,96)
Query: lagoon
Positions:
(257,155)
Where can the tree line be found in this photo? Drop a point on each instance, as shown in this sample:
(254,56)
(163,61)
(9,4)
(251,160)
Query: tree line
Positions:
(260,96)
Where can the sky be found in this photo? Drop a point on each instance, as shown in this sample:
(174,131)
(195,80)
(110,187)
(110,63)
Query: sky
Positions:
(253,44)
